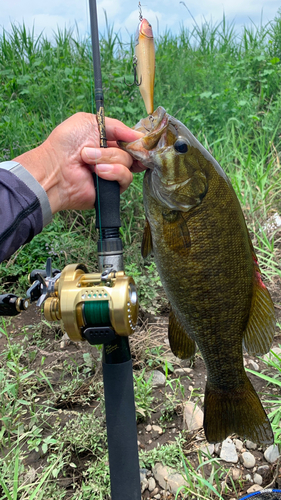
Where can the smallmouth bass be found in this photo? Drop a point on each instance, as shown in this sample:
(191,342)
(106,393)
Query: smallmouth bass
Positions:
(197,232)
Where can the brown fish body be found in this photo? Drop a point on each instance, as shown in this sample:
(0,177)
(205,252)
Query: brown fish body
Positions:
(197,232)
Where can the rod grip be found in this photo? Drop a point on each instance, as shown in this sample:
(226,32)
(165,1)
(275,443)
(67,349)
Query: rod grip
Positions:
(121,431)
(107,203)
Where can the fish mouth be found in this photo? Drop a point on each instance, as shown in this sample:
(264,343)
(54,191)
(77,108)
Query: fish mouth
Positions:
(154,127)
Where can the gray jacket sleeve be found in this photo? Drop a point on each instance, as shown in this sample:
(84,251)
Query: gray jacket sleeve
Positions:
(24,208)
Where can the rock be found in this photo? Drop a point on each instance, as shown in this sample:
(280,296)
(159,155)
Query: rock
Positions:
(148,428)
(192,417)
(238,444)
(151,484)
(183,371)
(253,488)
(143,473)
(157,428)
(248,478)
(228,452)
(154,492)
(271,453)
(180,372)
(248,459)
(250,445)
(217,448)
(258,479)
(263,470)
(158,378)
(168,478)
(144,485)
(236,474)
(30,476)
(269,356)
(253,365)
(157,497)
(208,449)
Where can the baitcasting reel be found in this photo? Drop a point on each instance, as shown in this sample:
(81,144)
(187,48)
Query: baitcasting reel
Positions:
(91,306)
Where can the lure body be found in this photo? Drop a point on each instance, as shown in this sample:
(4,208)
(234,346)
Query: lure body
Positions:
(145,54)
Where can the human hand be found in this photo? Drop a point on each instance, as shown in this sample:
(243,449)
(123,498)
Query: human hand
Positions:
(64,163)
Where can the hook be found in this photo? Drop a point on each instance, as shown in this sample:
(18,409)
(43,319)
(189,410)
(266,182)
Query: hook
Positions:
(135,82)
(140,14)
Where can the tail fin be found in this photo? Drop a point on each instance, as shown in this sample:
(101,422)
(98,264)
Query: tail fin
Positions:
(237,411)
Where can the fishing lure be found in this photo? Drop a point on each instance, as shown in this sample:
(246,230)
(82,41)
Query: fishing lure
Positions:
(144,61)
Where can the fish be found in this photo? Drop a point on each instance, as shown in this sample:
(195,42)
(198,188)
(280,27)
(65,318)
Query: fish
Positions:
(145,61)
(196,230)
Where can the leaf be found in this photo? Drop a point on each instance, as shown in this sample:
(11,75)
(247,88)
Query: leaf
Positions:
(205,94)
(275,60)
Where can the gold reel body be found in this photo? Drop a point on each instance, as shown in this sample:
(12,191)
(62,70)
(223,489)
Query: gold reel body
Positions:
(82,300)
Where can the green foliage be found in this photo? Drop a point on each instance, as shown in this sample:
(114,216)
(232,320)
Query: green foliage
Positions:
(273,360)
(143,395)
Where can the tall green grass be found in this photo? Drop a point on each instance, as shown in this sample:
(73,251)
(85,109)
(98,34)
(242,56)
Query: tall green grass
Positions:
(225,86)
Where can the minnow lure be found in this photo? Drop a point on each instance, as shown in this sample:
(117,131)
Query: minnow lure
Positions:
(145,62)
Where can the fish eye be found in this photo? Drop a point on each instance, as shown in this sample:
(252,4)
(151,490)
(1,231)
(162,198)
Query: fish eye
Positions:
(181,146)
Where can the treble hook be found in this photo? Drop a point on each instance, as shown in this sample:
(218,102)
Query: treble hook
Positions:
(135,82)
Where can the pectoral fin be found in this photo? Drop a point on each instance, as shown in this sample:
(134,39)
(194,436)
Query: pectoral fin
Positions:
(146,246)
(259,333)
(176,233)
(181,344)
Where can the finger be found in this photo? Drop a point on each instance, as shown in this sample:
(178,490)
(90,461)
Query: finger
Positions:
(115,172)
(92,156)
(117,131)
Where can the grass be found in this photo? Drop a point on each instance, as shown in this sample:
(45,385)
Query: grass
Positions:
(226,88)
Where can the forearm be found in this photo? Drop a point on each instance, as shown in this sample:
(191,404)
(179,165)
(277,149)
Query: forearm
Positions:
(23,210)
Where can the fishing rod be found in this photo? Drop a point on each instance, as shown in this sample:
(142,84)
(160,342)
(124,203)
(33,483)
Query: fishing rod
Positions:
(117,362)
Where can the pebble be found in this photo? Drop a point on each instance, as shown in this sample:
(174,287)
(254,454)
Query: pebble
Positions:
(248,459)
(258,479)
(238,444)
(168,478)
(248,477)
(150,441)
(157,428)
(151,484)
(271,453)
(269,356)
(192,417)
(217,448)
(148,428)
(30,476)
(236,474)
(254,488)
(158,496)
(208,449)
(263,469)
(253,365)
(158,378)
(144,485)
(143,473)
(250,445)
(228,452)
(190,388)
(155,492)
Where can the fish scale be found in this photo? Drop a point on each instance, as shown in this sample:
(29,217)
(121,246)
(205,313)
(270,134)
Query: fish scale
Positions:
(197,233)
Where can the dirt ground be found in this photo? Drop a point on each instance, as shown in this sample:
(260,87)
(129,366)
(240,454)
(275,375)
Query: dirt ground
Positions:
(152,332)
